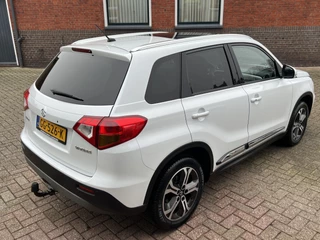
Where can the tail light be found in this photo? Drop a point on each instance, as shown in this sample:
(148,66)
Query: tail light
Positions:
(25,99)
(86,189)
(106,132)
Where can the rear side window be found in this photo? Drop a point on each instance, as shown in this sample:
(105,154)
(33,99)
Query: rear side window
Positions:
(164,82)
(208,70)
(83,78)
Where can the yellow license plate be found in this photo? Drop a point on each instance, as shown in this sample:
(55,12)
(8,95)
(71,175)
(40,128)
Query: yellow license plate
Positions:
(53,130)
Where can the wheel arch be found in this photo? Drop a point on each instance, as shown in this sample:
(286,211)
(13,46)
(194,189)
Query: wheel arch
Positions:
(194,149)
(307,97)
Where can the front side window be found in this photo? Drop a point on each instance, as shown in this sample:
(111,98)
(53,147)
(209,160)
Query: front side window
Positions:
(199,12)
(127,12)
(208,70)
(254,64)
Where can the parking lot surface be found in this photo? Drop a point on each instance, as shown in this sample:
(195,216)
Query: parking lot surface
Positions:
(273,195)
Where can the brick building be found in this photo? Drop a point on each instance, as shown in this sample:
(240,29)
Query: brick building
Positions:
(289,28)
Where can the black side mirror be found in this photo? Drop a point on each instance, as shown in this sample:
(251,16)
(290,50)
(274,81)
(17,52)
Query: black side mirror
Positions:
(288,71)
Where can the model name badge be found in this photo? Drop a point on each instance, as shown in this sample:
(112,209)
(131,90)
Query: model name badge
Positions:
(83,150)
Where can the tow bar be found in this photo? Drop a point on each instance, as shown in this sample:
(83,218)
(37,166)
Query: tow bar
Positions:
(39,193)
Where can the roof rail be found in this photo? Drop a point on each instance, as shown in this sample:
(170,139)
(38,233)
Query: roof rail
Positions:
(181,40)
(116,36)
(158,44)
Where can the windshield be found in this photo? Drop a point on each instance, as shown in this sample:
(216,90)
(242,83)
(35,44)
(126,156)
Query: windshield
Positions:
(83,78)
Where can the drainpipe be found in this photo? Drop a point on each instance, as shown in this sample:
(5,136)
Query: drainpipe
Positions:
(16,33)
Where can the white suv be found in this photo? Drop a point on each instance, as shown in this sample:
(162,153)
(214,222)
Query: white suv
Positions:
(145,119)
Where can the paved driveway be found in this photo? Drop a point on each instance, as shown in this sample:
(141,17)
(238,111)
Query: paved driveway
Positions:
(275,194)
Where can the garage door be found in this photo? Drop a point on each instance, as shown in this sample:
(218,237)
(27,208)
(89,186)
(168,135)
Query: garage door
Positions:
(7,51)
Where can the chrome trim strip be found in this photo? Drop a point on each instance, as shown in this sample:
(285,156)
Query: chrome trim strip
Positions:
(262,138)
(248,147)
(231,154)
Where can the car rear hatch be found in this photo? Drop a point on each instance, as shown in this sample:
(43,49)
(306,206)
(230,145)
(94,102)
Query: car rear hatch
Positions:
(78,82)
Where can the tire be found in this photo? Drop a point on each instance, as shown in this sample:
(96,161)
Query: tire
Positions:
(173,202)
(297,125)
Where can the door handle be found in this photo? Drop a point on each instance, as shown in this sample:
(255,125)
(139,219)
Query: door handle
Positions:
(199,115)
(256,99)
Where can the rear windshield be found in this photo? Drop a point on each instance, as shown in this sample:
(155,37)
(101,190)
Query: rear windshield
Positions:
(83,78)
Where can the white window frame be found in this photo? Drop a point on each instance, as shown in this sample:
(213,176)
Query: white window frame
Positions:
(200,25)
(124,25)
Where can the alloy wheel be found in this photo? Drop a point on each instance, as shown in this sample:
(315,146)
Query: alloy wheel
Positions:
(180,194)
(299,124)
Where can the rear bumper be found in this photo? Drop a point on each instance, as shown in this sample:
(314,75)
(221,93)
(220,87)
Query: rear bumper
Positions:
(100,201)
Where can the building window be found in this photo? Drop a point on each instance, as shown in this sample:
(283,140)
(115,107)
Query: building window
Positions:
(127,12)
(199,12)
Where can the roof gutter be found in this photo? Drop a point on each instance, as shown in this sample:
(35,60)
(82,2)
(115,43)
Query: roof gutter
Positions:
(17,38)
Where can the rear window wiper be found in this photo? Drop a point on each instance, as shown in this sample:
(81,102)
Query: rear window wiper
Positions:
(55,92)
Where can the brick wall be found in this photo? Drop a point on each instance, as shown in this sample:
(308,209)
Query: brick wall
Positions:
(83,14)
(271,13)
(249,13)
(40,46)
(290,28)
(58,14)
(163,14)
